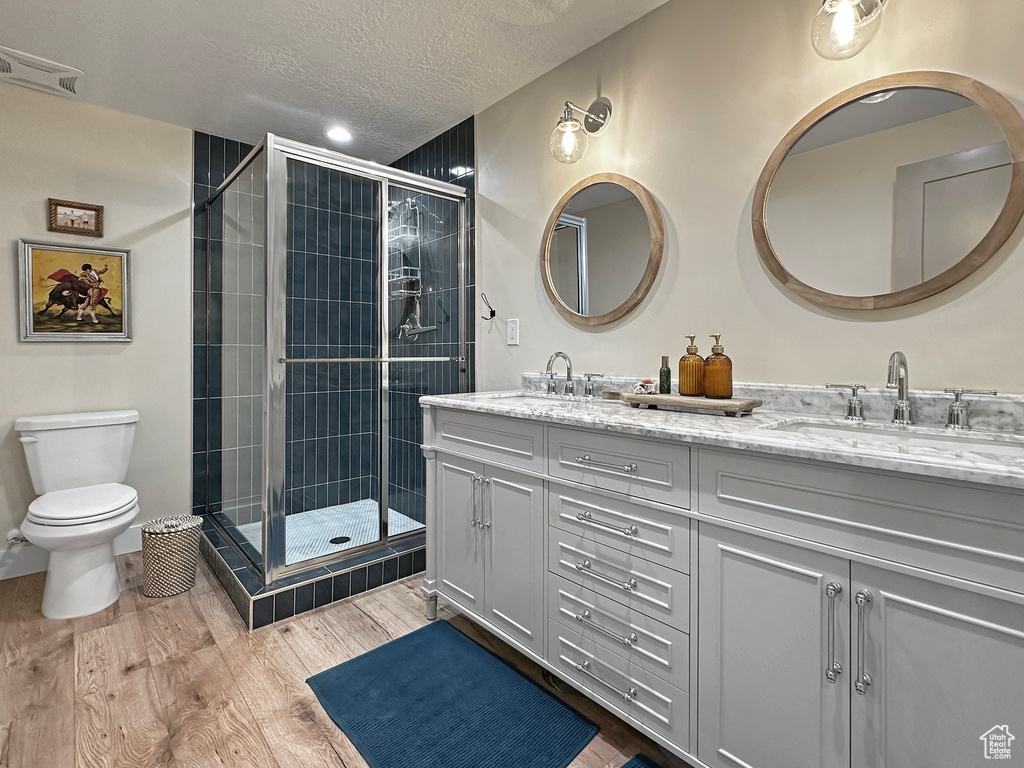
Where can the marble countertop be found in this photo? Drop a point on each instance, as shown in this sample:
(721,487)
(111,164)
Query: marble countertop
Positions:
(977,456)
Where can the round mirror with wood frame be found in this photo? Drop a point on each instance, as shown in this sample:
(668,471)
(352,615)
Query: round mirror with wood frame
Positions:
(644,253)
(996,106)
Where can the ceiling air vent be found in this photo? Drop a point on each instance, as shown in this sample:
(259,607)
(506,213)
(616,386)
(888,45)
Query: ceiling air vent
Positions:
(40,74)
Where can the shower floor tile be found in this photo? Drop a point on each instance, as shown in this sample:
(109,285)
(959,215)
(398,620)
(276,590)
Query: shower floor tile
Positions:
(309,534)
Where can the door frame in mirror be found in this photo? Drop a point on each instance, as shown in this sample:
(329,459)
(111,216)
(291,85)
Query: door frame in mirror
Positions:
(999,109)
(657,231)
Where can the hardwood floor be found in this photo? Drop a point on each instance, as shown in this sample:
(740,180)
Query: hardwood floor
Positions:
(179,682)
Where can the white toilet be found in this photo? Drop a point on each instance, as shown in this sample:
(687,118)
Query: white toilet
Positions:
(77,462)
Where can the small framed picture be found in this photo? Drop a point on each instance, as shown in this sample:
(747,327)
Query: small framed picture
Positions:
(74,294)
(76,218)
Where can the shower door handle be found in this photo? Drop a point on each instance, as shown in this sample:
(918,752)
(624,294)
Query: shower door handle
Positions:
(314,360)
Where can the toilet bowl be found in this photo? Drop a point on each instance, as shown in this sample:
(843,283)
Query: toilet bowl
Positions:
(77,463)
(78,527)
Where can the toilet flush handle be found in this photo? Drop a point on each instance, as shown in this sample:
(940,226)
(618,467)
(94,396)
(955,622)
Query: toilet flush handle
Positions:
(29,439)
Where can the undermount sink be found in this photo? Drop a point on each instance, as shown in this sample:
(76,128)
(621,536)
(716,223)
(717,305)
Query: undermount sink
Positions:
(906,439)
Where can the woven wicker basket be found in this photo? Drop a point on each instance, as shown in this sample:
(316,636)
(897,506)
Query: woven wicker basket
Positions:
(170,548)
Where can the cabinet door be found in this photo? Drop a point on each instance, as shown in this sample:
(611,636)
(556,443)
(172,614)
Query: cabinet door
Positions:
(515,551)
(946,667)
(460,559)
(763,630)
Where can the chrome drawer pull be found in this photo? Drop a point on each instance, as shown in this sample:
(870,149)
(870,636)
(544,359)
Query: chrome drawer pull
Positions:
(832,667)
(631,467)
(863,680)
(629,586)
(586,517)
(585,618)
(628,695)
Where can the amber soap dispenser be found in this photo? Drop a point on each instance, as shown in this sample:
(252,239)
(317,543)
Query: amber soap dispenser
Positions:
(691,371)
(718,371)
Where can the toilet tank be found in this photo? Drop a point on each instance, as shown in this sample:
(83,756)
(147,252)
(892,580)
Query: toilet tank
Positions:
(71,450)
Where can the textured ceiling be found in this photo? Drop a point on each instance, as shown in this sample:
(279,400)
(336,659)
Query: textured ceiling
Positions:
(395,72)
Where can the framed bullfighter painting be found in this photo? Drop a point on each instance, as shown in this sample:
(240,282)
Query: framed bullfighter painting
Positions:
(74,294)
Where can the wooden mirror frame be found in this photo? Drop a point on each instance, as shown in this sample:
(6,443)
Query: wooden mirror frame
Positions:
(998,108)
(653,259)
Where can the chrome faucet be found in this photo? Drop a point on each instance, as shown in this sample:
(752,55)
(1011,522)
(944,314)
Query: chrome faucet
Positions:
(898,379)
(569,388)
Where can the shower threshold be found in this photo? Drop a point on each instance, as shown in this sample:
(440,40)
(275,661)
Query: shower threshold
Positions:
(309,535)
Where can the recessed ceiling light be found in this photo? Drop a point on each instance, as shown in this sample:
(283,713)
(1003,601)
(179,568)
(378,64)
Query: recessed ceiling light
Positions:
(337,133)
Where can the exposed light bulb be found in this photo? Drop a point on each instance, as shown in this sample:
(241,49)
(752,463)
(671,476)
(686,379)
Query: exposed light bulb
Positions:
(339,134)
(841,33)
(569,141)
(842,28)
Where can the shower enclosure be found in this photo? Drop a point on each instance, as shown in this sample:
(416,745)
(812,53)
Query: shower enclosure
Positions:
(336,297)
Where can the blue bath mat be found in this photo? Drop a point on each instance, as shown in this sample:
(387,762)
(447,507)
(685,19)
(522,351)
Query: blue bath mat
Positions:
(435,698)
(641,761)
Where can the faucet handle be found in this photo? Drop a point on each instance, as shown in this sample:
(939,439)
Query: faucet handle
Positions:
(854,406)
(854,387)
(588,388)
(956,415)
(958,391)
(551,381)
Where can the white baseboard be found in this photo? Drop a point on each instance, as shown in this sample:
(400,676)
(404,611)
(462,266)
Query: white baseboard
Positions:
(23,559)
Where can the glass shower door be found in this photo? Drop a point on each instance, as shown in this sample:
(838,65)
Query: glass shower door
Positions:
(423,337)
(332,491)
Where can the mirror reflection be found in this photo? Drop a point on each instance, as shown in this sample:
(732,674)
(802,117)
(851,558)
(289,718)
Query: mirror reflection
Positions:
(598,251)
(888,191)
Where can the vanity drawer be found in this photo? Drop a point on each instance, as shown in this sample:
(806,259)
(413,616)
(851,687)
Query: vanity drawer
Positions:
(626,632)
(654,470)
(513,442)
(632,581)
(655,534)
(626,688)
(969,532)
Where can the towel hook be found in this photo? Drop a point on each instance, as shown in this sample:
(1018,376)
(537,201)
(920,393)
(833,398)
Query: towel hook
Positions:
(489,307)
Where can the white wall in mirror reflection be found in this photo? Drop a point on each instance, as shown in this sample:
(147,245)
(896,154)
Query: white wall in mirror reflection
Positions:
(618,246)
(830,210)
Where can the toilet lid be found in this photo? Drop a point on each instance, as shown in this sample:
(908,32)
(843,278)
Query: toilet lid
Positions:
(75,506)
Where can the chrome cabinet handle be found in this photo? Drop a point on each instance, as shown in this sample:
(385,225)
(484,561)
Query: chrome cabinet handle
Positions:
(628,586)
(832,667)
(584,618)
(487,483)
(585,459)
(476,522)
(863,678)
(586,517)
(628,695)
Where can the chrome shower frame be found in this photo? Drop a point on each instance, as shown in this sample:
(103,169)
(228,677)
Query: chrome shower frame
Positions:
(277,153)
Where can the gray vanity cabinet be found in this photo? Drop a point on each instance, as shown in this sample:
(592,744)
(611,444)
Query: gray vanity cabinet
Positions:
(929,661)
(764,629)
(490,538)
(946,666)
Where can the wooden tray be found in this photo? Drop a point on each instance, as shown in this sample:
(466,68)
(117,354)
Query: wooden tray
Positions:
(733,406)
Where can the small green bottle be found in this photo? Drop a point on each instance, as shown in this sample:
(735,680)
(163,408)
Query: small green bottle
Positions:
(665,377)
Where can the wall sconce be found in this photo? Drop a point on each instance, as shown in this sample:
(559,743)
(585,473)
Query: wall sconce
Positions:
(569,140)
(843,28)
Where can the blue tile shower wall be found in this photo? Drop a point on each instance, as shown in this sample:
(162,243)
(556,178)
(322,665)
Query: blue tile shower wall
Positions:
(332,428)
(213,159)
(449,157)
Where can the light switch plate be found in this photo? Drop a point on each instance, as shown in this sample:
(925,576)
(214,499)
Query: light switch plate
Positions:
(512,332)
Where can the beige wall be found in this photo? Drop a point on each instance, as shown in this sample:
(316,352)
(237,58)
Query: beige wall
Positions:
(140,171)
(702,93)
